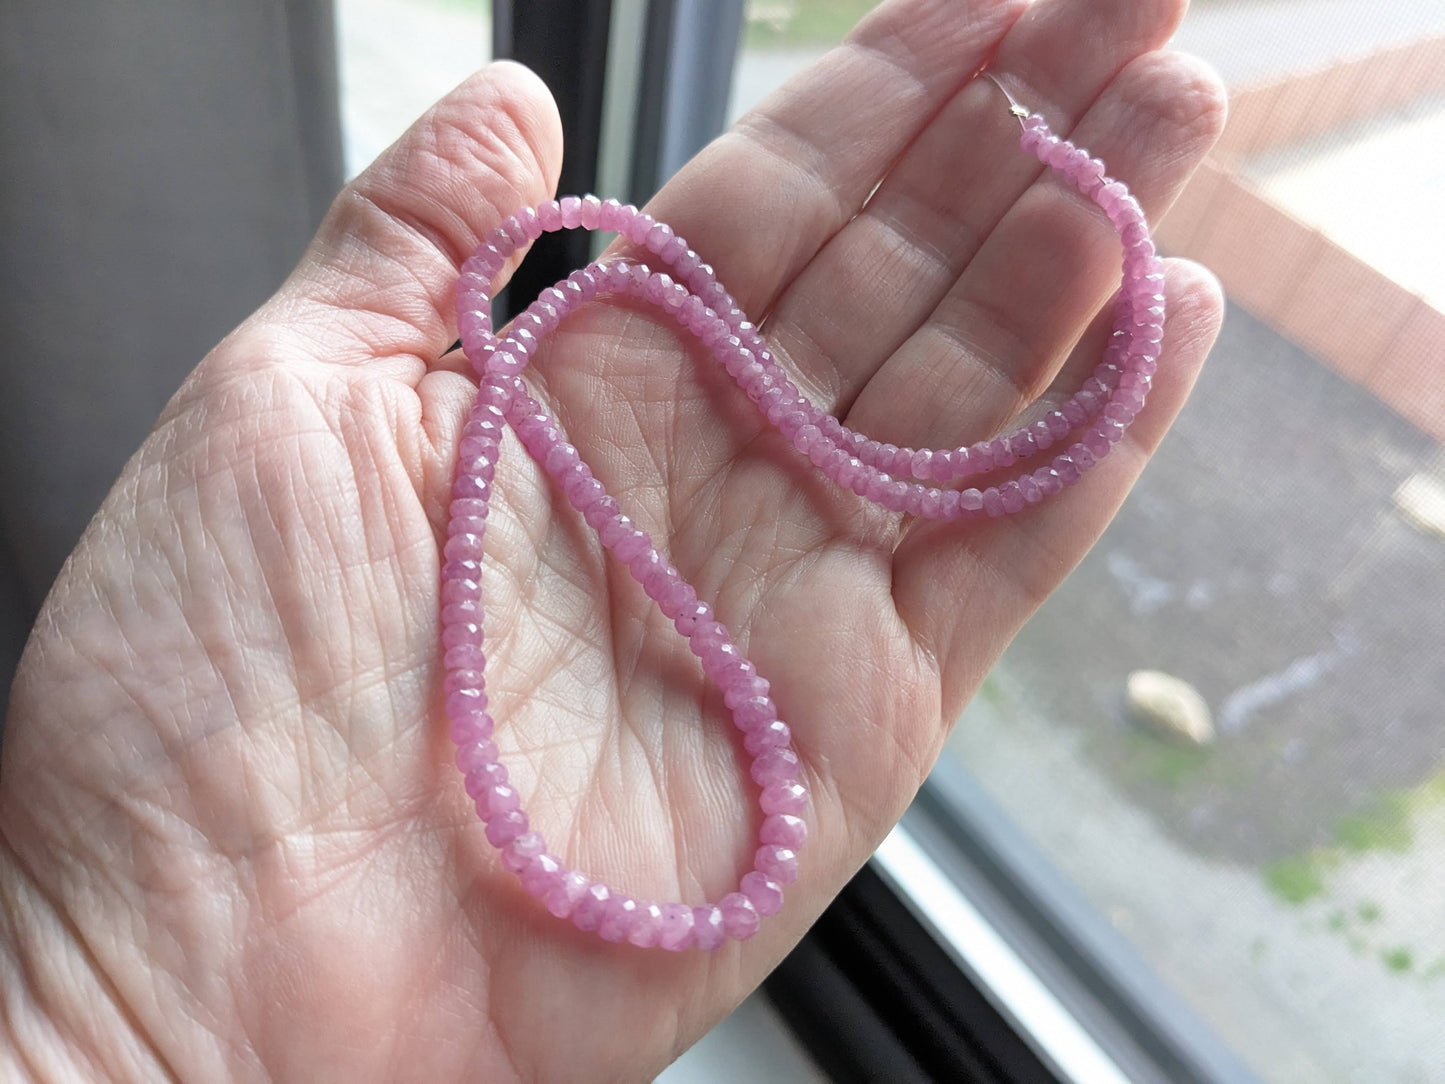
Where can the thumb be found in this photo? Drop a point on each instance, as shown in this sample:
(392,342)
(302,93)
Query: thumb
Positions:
(388,251)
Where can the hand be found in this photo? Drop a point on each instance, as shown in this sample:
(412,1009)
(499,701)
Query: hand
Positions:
(234,845)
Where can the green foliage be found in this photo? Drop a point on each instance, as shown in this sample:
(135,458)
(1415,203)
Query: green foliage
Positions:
(1295,878)
(1155,760)
(1398,959)
(991,691)
(1432,791)
(1383,825)
(785,24)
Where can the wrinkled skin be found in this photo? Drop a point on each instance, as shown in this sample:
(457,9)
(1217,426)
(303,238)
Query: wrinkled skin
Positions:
(233,843)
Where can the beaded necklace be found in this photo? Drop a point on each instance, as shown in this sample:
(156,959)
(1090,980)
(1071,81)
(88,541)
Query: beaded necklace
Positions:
(899,479)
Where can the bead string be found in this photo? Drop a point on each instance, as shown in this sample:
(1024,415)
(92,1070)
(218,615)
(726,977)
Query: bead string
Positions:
(1102,408)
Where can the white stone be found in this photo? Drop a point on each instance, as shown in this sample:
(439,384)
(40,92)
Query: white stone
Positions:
(1421,499)
(1170,705)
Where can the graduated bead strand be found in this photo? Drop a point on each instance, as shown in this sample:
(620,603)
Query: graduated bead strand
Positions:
(1098,413)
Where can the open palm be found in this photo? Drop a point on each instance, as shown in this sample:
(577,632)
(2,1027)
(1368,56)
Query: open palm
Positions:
(234,845)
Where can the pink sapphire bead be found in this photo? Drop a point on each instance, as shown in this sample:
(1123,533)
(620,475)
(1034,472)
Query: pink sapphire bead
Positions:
(1011,497)
(754,712)
(739,916)
(765,895)
(784,830)
(617,918)
(785,797)
(564,897)
(518,854)
(754,687)
(474,754)
(774,766)
(498,800)
(707,927)
(771,736)
(588,910)
(690,616)
(675,927)
(481,779)
(778,863)
(646,925)
(542,875)
(467,704)
(505,827)
(470,729)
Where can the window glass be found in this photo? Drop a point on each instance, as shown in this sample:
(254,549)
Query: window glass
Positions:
(396,58)
(1284,555)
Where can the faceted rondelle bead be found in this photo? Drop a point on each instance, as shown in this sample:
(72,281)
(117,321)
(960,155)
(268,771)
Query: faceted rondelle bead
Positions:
(675,927)
(779,863)
(505,827)
(766,895)
(617,918)
(768,736)
(543,874)
(646,926)
(518,854)
(563,899)
(788,796)
(773,766)
(590,905)
(707,927)
(474,754)
(739,916)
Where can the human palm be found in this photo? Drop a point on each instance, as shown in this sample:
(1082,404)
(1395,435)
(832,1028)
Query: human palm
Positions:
(233,842)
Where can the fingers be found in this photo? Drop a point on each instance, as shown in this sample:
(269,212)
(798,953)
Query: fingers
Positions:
(1000,570)
(993,342)
(388,250)
(756,205)
(884,273)
(759,202)
(1060,50)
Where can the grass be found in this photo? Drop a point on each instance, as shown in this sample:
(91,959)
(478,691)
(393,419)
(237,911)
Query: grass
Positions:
(785,24)
(1299,878)
(1156,760)
(991,691)
(1295,879)
(1398,959)
(1383,825)
(1431,792)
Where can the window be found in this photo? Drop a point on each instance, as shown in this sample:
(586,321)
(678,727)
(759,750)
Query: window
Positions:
(1284,554)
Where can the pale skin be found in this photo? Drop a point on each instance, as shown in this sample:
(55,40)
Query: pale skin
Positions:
(234,847)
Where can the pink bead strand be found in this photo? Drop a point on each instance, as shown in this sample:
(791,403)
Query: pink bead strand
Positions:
(1098,414)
